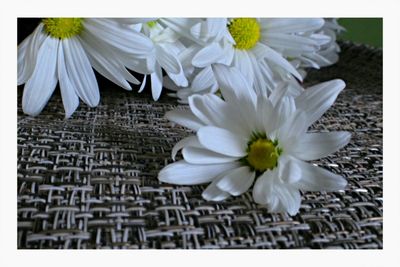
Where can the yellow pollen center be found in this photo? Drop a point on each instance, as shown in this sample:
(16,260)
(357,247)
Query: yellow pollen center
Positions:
(152,23)
(63,28)
(262,155)
(245,32)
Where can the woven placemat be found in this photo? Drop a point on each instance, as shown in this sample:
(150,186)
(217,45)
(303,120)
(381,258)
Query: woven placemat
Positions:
(91,181)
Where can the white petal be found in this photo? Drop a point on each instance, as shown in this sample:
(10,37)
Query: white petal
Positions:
(279,92)
(216,26)
(41,85)
(184,173)
(294,88)
(204,79)
(188,92)
(274,204)
(229,53)
(156,83)
(259,84)
(222,141)
(276,124)
(105,62)
(322,39)
(198,155)
(274,57)
(27,53)
(165,36)
(213,193)
(237,181)
(316,100)
(314,178)
(119,37)
(237,92)
(170,83)
(69,97)
(133,20)
(80,72)
(212,110)
(143,85)
(289,197)
(231,81)
(182,26)
(243,63)
(262,189)
(151,63)
(23,75)
(211,28)
(206,107)
(268,74)
(289,171)
(265,115)
(188,141)
(284,109)
(259,50)
(167,60)
(208,55)
(186,56)
(312,146)
(139,65)
(184,118)
(292,128)
(179,80)
(292,25)
(294,43)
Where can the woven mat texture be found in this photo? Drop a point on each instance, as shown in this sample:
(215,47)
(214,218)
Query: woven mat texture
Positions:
(90,182)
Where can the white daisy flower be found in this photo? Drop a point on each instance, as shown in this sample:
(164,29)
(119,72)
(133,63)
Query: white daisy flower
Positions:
(166,48)
(64,50)
(328,53)
(248,139)
(254,46)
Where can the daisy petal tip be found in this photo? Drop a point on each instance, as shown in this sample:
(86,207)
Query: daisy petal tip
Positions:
(68,115)
(162,177)
(209,197)
(127,87)
(173,156)
(338,83)
(213,193)
(30,112)
(192,98)
(94,102)
(293,212)
(31,108)
(347,137)
(342,183)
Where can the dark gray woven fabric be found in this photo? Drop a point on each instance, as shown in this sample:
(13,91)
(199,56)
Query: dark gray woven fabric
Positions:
(91,181)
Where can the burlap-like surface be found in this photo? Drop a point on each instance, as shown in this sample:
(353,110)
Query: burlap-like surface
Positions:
(91,181)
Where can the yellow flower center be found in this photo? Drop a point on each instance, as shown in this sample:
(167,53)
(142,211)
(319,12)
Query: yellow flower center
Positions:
(152,23)
(262,154)
(245,32)
(63,28)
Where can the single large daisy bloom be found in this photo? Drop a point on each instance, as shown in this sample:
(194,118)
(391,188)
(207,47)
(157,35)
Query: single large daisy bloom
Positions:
(64,50)
(255,46)
(251,139)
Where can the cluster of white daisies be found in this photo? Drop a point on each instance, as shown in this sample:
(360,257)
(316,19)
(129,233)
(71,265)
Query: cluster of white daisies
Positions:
(241,78)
